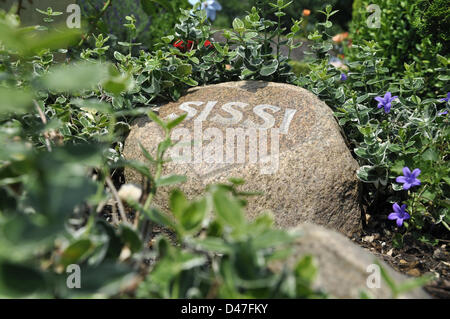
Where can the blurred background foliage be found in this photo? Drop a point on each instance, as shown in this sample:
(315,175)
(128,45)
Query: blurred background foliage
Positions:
(63,126)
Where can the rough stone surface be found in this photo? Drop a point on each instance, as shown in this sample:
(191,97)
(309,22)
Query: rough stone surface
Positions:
(315,179)
(341,264)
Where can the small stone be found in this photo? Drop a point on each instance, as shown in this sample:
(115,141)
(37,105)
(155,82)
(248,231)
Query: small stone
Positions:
(436,253)
(389,253)
(414,272)
(130,192)
(368,239)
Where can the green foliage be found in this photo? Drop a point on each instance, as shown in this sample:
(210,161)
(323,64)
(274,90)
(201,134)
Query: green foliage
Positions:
(62,129)
(433,19)
(230,259)
(413,134)
(399,39)
(153,19)
(236,8)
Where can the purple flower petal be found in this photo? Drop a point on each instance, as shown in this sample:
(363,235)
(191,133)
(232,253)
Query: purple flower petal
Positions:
(406,171)
(416,172)
(393,216)
(406,186)
(415,183)
(399,222)
(396,208)
(401,179)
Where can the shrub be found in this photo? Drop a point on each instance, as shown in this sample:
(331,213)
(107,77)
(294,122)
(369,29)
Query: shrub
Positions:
(237,8)
(62,127)
(398,39)
(433,18)
(153,19)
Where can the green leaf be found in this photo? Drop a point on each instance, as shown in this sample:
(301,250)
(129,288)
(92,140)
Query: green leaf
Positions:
(76,251)
(269,69)
(155,118)
(367,174)
(15,101)
(184,70)
(430,155)
(238,25)
(131,238)
(93,105)
(146,154)
(29,41)
(177,203)
(20,280)
(212,244)
(272,238)
(106,278)
(75,77)
(170,180)
(175,122)
(118,82)
(228,209)
(192,217)
(305,269)
(414,283)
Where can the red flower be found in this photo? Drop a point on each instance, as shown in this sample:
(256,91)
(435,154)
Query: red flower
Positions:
(183,48)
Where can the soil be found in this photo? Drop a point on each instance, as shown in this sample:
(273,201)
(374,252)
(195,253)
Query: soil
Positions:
(414,258)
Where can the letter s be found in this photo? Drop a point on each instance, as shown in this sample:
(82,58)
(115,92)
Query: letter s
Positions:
(236,115)
(269,120)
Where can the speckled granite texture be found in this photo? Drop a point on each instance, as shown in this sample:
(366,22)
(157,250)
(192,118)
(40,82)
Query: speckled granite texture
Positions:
(315,179)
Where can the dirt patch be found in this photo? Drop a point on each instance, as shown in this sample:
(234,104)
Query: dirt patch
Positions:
(414,258)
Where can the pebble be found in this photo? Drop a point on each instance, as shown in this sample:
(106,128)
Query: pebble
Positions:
(413,272)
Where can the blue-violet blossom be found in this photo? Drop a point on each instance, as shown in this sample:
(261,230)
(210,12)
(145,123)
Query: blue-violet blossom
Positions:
(399,214)
(385,101)
(409,179)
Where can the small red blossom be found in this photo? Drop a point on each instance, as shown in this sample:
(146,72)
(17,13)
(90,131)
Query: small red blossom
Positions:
(183,48)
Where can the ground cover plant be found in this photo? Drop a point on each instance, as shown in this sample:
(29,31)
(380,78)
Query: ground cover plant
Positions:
(66,106)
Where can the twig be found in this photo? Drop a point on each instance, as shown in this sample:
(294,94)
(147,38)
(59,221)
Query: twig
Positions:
(113,189)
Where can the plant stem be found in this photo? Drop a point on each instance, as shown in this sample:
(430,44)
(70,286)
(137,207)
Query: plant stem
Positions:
(95,20)
(114,192)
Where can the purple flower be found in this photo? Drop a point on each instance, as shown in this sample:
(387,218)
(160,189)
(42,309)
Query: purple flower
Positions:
(409,179)
(399,214)
(385,101)
(446,99)
(443,113)
(343,77)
